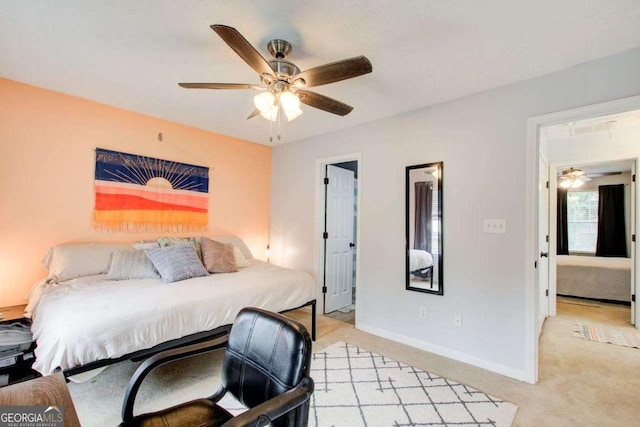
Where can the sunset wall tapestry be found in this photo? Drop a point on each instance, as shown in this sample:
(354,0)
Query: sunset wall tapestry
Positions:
(143,194)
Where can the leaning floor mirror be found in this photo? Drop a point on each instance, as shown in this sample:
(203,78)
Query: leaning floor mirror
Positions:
(424,228)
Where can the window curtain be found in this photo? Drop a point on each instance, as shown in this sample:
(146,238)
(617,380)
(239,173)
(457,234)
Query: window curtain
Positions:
(423,211)
(562,224)
(611,229)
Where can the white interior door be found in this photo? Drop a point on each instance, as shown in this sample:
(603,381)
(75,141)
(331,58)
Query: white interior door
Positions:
(543,241)
(340,201)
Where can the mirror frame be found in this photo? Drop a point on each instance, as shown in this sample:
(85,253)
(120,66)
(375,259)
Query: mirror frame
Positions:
(440,290)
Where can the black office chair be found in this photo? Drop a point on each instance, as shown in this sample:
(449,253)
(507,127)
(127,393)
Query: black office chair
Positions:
(266,367)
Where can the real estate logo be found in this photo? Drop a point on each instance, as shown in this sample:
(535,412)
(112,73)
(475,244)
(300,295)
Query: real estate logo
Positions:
(31,416)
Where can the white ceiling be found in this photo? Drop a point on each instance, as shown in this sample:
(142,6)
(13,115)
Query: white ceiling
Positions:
(132,54)
(603,124)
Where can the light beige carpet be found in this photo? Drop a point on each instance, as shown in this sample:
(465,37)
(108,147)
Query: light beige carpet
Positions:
(580,383)
(354,387)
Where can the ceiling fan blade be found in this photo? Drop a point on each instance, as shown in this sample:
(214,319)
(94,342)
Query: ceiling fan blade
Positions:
(254,113)
(336,71)
(325,103)
(216,85)
(597,174)
(244,49)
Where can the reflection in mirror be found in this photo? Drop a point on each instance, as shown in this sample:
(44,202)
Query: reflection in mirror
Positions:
(424,228)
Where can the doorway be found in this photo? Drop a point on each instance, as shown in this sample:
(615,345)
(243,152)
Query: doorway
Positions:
(537,144)
(593,224)
(339,237)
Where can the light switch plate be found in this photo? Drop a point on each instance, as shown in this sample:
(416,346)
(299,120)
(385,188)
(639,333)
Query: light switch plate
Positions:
(498,226)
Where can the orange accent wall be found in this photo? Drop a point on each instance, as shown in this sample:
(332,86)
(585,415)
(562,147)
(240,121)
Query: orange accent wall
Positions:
(47,161)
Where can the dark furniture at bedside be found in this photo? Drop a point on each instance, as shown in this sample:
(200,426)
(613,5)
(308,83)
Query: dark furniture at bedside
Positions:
(15,366)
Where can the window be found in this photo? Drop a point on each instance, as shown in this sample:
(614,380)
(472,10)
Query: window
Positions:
(582,220)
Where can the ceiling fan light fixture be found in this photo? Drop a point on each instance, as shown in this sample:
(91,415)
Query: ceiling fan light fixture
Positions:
(289,101)
(271,113)
(292,113)
(571,183)
(264,101)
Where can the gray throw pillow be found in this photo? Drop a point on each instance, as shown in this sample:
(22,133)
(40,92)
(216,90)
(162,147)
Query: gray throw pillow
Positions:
(177,262)
(131,264)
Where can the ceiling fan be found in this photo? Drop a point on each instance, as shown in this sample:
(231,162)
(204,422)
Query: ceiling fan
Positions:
(574,178)
(282,85)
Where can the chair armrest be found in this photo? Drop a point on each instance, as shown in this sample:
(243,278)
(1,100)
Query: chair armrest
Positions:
(158,360)
(280,405)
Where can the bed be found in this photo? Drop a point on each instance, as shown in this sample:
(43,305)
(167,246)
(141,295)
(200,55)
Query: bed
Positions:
(421,264)
(601,278)
(89,322)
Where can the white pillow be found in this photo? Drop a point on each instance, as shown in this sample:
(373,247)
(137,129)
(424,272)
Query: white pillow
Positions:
(70,261)
(237,242)
(241,261)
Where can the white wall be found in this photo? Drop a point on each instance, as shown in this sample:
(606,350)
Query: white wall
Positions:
(482,141)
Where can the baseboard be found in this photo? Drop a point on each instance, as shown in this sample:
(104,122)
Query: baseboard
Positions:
(446,352)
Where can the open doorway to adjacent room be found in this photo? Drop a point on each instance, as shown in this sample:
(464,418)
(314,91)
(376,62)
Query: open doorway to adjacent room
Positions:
(339,238)
(584,162)
(591,214)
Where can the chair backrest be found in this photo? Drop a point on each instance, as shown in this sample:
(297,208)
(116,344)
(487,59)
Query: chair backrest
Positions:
(267,355)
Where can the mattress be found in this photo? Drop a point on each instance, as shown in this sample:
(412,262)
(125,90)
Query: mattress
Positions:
(90,318)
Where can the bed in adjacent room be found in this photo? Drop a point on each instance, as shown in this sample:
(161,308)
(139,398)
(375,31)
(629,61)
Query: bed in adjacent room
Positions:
(602,278)
(85,322)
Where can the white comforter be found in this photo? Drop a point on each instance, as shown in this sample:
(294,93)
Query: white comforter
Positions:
(90,318)
(419,259)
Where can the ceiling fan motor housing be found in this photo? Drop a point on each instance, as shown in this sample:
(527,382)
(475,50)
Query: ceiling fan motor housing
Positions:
(284,69)
(279,48)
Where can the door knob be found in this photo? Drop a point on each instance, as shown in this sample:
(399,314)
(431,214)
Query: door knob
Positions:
(351,245)
(544,254)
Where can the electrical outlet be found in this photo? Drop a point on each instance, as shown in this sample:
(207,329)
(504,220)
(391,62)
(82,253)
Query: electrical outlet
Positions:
(423,312)
(457,320)
(498,226)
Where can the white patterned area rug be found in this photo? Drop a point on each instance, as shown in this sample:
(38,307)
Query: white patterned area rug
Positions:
(624,337)
(354,387)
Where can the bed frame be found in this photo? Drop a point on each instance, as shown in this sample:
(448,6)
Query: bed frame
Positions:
(199,337)
(425,273)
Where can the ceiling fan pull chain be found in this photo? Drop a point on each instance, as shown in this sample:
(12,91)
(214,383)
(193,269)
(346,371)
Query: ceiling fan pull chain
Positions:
(279,119)
(270,130)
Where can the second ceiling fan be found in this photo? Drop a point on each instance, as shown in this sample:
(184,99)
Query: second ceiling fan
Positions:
(282,85)
(574,178)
